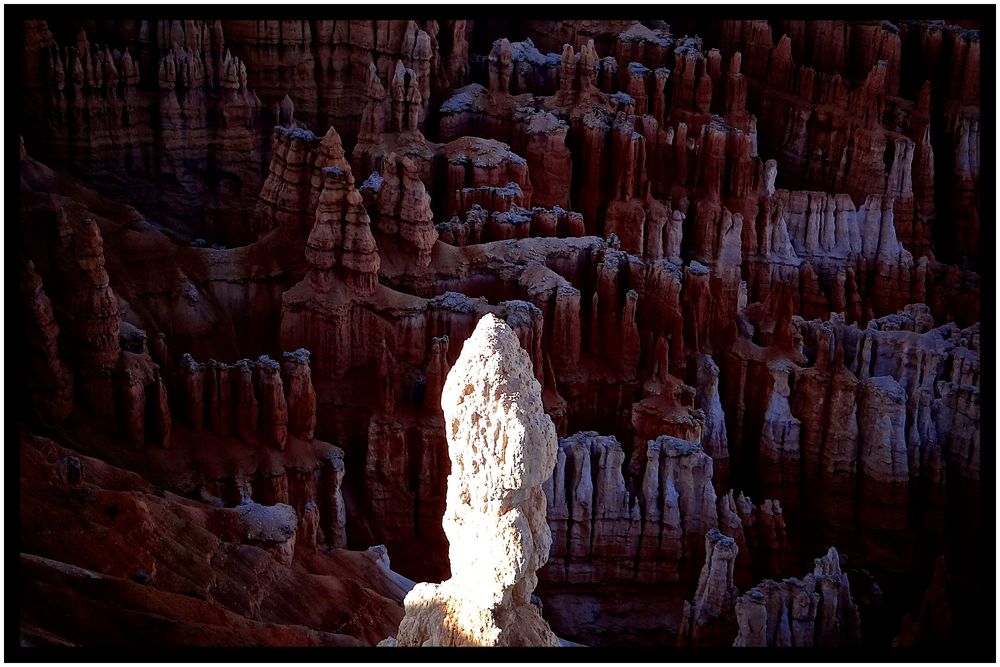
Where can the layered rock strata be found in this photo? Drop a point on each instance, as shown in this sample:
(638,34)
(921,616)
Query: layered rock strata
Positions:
(800,330)
(166,122)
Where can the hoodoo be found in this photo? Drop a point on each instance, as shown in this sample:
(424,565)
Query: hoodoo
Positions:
(502,447)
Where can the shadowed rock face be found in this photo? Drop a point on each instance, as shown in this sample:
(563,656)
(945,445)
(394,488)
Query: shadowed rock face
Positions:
(814,611)
(154,563)
(708,619)
(715,296)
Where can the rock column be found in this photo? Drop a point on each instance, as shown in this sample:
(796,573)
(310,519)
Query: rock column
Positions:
(502,447)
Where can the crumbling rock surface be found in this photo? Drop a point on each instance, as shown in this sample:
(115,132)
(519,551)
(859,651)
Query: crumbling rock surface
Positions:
(502,447)
(50,383)
(174,571)
(709,618)
(816,611)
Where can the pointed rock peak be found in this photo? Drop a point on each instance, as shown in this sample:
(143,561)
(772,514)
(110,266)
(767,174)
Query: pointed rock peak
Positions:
(217,33)
(828,565)
(770,175)
(30,279)
(501,46)
(331,140)
(91,234)
(876,77)
(715,539)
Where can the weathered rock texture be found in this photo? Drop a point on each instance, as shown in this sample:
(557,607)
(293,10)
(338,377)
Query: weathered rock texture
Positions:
(816,611)
(322,65)
(740,256)
(165,561)
(502,447)
(50,382)
(709,618)
(167,122)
